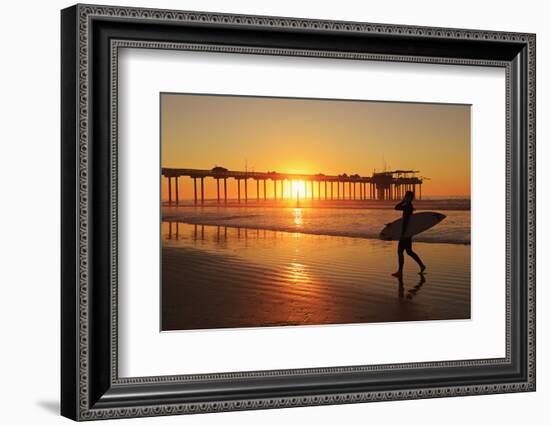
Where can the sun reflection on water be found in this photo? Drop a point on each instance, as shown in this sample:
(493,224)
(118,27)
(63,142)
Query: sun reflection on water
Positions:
(296,273)
(298,219)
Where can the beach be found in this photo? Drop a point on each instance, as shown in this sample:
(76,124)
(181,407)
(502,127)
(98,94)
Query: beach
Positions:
(230,271)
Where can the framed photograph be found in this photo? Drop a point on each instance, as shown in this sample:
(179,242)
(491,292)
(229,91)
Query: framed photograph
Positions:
(263,212)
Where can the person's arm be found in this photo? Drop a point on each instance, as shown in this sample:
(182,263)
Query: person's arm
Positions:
(405,224)
(407,208)
(400,205)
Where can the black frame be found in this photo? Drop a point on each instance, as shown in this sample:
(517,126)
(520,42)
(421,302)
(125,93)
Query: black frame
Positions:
(90,387)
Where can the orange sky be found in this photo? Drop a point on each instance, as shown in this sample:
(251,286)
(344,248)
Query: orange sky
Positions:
(316,136)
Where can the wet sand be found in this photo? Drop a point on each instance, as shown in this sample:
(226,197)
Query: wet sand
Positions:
(223,277)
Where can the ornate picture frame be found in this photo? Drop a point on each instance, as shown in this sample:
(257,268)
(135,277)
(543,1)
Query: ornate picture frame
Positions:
(91,38)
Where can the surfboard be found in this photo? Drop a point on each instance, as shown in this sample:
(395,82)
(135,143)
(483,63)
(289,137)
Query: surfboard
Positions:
(418,222)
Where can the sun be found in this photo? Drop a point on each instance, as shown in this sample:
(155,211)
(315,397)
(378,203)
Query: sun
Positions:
(298,189)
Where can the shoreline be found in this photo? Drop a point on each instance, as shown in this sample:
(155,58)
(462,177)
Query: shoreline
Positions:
(462,204)
(176,220)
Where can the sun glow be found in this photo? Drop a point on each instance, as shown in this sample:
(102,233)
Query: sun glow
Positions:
(298,189)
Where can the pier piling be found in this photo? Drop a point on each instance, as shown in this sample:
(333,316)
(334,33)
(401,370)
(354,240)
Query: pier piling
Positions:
(169,191)
(177,192)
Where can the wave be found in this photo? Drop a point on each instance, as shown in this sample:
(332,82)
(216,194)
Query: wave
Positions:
(357,223)
(328,232)
(442,239)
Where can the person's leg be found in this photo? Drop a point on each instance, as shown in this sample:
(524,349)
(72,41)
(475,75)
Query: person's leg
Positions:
(417,259)
(400,257)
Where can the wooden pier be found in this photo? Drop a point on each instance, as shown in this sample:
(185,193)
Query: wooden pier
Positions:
(388,185)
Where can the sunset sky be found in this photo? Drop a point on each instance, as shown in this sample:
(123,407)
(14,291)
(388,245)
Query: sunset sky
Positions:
(316,136)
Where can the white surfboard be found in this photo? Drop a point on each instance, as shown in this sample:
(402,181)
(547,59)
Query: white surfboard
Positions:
(418,222)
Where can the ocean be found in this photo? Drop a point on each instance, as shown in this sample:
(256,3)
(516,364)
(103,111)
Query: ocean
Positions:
(348,222)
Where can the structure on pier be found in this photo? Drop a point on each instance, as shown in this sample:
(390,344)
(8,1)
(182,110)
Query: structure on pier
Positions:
(393,185)
(387,185)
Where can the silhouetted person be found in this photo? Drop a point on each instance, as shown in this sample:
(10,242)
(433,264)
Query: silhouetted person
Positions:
(405,243)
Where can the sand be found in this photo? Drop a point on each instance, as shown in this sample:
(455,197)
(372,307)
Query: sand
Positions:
(222,277)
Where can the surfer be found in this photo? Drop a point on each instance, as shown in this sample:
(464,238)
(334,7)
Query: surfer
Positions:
(405,243)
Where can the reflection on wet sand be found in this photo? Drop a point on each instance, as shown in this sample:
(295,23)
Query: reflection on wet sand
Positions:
(412,291)
(219,277)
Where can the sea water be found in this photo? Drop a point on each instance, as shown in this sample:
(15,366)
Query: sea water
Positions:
(356,222)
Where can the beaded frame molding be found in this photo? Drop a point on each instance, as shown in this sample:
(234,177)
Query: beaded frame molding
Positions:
(91,38)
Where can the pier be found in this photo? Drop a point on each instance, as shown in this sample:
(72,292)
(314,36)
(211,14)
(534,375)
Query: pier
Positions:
(252,186)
